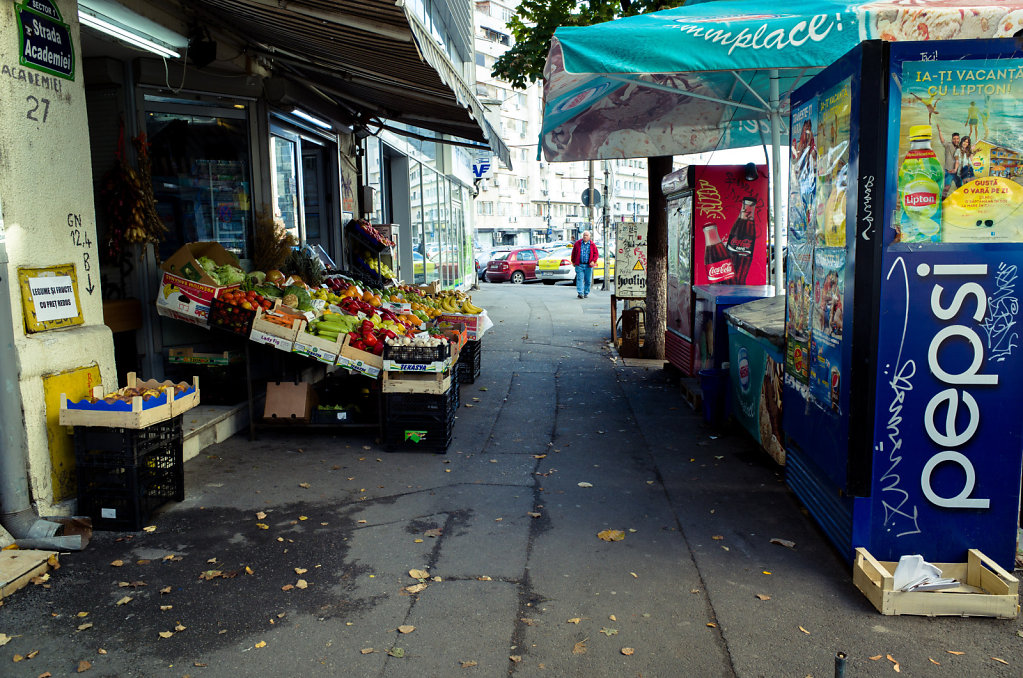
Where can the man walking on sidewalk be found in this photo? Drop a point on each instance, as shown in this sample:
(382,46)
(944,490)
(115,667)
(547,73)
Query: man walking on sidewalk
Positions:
(584,258)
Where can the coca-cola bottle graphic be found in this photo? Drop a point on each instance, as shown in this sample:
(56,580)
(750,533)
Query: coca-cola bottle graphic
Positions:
(741,240)
(715,257)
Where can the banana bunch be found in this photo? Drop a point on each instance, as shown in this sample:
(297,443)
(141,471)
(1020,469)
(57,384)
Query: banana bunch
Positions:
(469,308)
(448,304)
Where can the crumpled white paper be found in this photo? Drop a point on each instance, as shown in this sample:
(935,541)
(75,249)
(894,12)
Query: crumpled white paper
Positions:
(913,573)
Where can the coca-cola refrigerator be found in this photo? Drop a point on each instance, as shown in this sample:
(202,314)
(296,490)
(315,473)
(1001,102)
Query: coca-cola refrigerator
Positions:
(717,234)
(903,373)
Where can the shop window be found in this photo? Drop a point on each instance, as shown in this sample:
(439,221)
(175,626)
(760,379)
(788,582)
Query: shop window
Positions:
(284,182)
(201,175)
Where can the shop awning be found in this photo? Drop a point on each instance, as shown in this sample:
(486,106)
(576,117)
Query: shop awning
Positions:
(374,58)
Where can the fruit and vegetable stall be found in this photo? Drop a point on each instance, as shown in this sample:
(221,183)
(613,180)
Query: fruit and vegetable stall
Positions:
(410,346)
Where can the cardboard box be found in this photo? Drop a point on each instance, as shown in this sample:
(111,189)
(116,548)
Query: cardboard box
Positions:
(184,263)
(363,362)
(186,290)
(188,356)
(475,325)
(289,403)
(986,590)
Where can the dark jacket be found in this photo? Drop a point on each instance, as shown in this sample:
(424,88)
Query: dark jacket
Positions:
(594,254)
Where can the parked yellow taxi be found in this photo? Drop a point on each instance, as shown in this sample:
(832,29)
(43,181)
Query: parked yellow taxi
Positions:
(558,266)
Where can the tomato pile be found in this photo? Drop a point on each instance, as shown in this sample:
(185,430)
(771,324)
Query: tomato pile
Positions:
(234,310)
(247,300)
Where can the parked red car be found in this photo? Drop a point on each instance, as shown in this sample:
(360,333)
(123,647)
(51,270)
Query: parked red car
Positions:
(518,265)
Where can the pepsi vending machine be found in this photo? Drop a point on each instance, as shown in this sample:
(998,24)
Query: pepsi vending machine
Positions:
(903,384)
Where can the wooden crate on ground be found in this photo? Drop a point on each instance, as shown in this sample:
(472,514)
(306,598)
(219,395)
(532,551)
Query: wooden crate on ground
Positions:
(19,566)
(985,590)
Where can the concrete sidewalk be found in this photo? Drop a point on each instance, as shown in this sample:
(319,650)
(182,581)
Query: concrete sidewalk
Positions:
(556,442)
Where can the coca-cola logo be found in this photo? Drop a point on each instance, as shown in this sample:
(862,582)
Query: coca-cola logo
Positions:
(719,271)
(922,199)
(741,244)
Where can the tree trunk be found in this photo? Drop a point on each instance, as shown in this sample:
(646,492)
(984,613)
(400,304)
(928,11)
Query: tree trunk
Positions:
(657,259)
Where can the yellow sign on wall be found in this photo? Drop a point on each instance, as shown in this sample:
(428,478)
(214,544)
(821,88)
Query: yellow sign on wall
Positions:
(76,384)
(49,297)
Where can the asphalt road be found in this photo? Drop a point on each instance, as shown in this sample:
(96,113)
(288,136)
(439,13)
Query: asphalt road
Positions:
(290,555)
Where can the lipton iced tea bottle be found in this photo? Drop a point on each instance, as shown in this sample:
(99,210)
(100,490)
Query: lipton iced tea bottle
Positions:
(920,180)
(715,256)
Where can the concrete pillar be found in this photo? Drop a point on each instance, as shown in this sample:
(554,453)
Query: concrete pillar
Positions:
(48,219)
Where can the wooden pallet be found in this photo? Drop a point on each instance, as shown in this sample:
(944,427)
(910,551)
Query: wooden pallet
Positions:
(19,566)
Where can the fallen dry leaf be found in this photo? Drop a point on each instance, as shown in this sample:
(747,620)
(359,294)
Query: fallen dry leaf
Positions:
(166,634)
(263,526)
(300,570)
(84,665)
(804,630)
(533,514)
(212,560)
(123,601)
(628,651)
(484,578)
(584,484)
(17,658)
(367,650)
(201,665)
(954,652)
(406,628)
(515,658)
(1000,660)
(417,541)
(580,647)
(717,537)
(287,587)
(149,528)
(574,620)
(468,664)
(763,596)
(634,575)
(784,542)
(101,651)
(260,516)
(416,588)
(895,664)
(874,658)
(248,570)
(524,620)
(712,625)
(261,643)
(418,574)
(611,535)
(33,653)
(934,662)
(165,589)
(436,532)
(304,486)
(45,674)
(609,632)
(164,608)
(398,652)
(180,627)
(301,584)
(4,638)
(85,626)
(86,614)
(612,617)
(117,563)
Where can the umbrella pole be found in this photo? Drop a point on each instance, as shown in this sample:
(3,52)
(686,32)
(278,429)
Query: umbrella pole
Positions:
(779,281)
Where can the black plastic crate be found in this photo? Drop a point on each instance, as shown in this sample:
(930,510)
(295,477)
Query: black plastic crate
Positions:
(229,318)
(411,405)
(417,354)
(220,384)
(469,361)
(125,497)
(114,446)
(419,434)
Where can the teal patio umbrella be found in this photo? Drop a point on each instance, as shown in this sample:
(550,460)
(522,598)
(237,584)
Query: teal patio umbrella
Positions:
(718,75)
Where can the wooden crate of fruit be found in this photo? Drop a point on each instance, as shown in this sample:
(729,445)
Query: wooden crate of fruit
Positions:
(276,327)
(355,360)
(138,405)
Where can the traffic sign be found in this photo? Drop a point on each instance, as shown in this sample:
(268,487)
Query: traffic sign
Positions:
(591,196)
